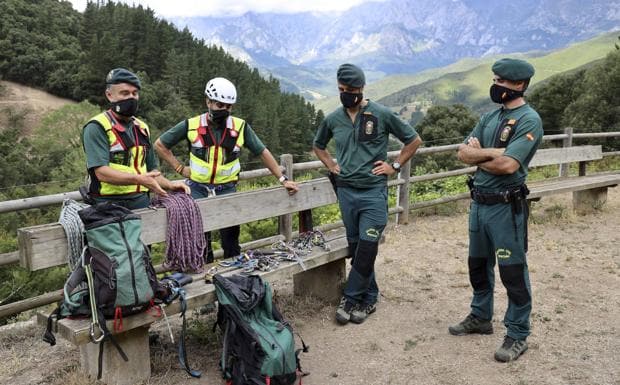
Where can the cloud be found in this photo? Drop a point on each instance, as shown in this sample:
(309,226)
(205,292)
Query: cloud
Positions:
(224,8)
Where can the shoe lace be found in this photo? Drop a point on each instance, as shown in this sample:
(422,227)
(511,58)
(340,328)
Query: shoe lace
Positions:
(346,305)
(508,342)
(470,320)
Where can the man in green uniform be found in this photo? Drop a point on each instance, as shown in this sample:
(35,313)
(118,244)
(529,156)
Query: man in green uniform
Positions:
(502,145)
(216,139)
(361,129)
(121,163)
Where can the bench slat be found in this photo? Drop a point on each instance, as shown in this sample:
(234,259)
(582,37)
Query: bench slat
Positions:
(564,185)
(45,246)
(200,293)
(549,156)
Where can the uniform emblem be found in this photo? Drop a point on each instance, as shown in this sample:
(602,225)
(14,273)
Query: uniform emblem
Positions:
(505,134)
(373,233)
(503,253)
(369,127)
(529,136)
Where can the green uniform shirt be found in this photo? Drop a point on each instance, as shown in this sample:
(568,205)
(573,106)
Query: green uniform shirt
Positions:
(359,145)
(528,133)
(97,147)
(179,132)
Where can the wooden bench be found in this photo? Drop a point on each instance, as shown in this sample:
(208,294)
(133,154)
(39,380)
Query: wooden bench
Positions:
(46,246)
(589,191)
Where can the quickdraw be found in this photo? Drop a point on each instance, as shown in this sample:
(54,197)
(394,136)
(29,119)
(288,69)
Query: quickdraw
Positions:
(293,251)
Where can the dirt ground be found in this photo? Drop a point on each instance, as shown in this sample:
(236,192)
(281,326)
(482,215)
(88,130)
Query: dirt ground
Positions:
(27,104)
(422,272)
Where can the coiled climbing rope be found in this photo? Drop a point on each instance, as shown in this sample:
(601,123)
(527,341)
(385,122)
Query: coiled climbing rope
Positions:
(74,229)
(184,241)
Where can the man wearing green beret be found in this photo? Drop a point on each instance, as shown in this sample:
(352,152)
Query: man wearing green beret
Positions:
(502,145)
(361,130)
(120,159)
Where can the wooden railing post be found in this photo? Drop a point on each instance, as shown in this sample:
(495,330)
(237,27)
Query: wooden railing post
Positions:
(567,142)
(285,222)
(402,197)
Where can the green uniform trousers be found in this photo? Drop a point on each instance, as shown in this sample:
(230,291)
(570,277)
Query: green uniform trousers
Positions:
(364,213)
(499,231)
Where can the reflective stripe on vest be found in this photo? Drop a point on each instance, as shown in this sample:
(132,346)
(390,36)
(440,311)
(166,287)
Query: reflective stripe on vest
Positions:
(127,157)
(212,167)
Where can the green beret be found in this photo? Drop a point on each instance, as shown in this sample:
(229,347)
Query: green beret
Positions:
(122,75)
(513,69)
(351,75)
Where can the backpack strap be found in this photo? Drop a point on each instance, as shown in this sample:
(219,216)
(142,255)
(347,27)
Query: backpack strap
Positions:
(107,336)
(305,348)
(48,336)
(97,314)
(182,350)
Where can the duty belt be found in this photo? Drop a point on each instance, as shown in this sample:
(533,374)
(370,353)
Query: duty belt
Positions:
(490,198)
(508,196)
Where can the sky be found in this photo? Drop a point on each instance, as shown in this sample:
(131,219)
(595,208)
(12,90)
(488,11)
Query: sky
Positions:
(223,8)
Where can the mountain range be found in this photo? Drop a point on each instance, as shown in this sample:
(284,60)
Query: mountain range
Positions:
(399,36)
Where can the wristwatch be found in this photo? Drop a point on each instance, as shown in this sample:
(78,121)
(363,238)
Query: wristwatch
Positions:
(396,166)
(283,178)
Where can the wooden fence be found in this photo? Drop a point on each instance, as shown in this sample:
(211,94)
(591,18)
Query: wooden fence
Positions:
(285,229)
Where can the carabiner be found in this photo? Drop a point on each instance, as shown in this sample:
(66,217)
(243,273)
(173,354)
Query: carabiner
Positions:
(92,333)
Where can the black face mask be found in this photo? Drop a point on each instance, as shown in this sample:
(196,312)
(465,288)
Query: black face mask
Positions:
(349,99)
(219,117)
(127,107)
(500,94)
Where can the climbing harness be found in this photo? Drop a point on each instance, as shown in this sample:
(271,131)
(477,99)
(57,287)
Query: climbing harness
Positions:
(184,250)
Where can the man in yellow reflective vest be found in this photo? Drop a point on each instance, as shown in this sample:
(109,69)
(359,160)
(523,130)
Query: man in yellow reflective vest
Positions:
(120,158)
(215,140)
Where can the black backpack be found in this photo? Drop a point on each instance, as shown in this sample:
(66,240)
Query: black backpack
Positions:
(258,343)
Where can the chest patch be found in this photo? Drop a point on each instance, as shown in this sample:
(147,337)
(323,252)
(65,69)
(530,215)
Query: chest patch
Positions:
(506,130)
(369,127)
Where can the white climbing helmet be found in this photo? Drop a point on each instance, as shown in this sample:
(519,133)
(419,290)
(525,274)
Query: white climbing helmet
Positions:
(221,90)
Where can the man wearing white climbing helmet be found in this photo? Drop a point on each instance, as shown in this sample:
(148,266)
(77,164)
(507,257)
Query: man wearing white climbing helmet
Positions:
(215,140)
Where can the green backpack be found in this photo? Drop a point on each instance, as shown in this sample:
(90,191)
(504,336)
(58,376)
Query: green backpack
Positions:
(116,277)
(258,343)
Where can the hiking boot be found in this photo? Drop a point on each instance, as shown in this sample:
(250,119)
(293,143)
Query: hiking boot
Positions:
(360,313)
(471,325)
(343,313)
(510,350)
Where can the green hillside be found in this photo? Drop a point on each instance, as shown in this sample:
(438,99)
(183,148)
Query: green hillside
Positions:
(46,44)
(470,87)
(391,84)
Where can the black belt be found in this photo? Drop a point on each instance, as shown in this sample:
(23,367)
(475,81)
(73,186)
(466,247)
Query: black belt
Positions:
(508,196)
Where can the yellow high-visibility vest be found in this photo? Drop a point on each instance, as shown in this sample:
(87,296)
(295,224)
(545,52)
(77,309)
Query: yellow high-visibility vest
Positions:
(128,150)
(211,162)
